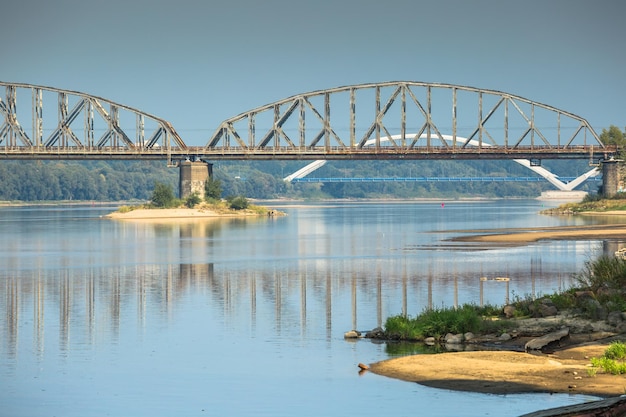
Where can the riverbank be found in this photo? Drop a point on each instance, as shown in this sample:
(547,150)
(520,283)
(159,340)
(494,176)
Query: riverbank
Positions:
(508,370)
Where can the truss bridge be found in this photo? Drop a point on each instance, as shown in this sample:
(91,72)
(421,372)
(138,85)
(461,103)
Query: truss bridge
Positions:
(402,120)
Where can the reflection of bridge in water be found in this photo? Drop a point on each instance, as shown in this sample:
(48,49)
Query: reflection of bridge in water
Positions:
(93,303)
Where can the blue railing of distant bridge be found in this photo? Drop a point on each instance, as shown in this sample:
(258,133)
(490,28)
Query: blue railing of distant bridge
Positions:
(434,179)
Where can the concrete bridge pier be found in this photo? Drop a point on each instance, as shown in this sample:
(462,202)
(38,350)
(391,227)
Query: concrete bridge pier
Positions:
(610,177)
(192,177)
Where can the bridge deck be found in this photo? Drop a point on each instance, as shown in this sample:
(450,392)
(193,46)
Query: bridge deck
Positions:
(307,153)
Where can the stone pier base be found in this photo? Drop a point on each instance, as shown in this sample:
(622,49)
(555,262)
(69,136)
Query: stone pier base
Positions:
(610,177)
(192,177)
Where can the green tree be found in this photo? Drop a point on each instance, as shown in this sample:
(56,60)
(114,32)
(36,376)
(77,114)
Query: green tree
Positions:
(613,136)
(162,196)
(212,189)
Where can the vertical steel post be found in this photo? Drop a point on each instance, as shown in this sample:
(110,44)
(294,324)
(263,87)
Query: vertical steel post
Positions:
(428,116)
(558,129)
(327,121)
(62,115)
(352,118)
(403,117)
(140,131)
(113,122)
(506,123)
(454,117)
(89,124)
(37,116)
(11,116)
(480,120)
(275,127)
(251,130)
(532,125)
(377,117)
(302,123)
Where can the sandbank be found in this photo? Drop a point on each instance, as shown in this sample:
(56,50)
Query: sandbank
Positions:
(527,235)
(177,213)
(504,372)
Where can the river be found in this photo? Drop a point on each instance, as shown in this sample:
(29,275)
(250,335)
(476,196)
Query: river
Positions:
(245,317)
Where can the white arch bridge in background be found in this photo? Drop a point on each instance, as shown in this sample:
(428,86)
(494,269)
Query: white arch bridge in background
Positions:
(549,176)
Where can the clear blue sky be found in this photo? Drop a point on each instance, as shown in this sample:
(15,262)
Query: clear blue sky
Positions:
(196,63)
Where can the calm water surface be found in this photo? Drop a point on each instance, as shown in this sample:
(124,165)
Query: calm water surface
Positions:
(246,317)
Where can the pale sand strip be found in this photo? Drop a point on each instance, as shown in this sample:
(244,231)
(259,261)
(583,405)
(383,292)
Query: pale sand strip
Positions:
(548,233)
(178,213)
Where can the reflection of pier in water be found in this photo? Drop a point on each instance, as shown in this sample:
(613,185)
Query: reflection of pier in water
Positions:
(95,303)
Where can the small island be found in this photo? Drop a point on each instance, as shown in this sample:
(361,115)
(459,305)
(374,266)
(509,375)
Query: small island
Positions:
(164,205)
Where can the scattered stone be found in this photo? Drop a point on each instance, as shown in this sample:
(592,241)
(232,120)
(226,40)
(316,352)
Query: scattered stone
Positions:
(504,337)
(453,339)
(377,333)
(543,341)
(430,341)
(594,309)
(468,336)
(543,308)
(352,334)
(614,318)
(509,311)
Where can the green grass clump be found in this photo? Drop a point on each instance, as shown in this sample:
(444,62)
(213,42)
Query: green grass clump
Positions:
(616,350)
(125,209)
(436,323)
(606,272)
(612,361)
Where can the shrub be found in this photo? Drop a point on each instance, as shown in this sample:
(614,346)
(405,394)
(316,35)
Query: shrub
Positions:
(238,203)
(605,272)
(212,189)
(192,200)
(613,359)
(435,323)
(163,196)
(616,350)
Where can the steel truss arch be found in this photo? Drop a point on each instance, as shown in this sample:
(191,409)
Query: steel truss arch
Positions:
(496,121)
(85,126)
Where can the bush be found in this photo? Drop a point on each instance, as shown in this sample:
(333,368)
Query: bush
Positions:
(612,361)
(436,323)
(192,200)
(606,272)
(163,196)
(212,189)
(616,350)
(238,203)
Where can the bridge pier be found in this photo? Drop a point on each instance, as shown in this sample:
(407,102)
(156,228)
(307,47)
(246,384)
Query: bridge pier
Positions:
(610,177)
(192,177)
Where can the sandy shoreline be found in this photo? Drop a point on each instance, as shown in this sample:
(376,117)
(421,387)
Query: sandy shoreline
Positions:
(504,372)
